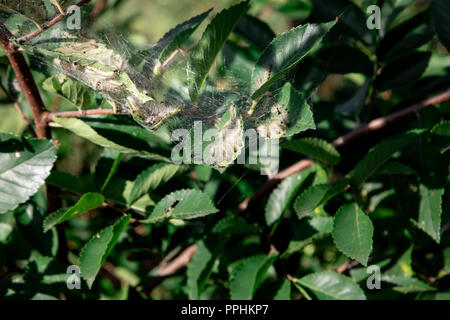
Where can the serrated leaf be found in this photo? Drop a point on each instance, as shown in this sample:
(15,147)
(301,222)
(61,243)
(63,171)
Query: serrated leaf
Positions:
(82,129)
(353,232)
(177,36)
(231,226)
(65,181)
(153,177)
(328,285)
(284,53)
(442,129)
(71,90)
(430,210)
(87,202)
(95,252)
(316,148)
(254,30)
(352,19)
(24,165)
(378,155)
(403,70)
(281,198)
(247,276)
(316,195)
(395,167)
(309,231)
(284,292)
(182,204)
(205,52)
(284,115)
(199,268)
(441,18)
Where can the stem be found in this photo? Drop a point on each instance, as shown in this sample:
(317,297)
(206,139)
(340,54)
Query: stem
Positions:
(362,130)
(54,21)
(26,82)
(19,109)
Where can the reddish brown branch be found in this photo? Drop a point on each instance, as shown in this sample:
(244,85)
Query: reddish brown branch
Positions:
(179,262)
(362,130)
(54,21)
(26,81)
(98,9)
(382,122)
(83,113)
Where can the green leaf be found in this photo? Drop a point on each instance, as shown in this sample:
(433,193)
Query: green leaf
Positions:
(214,37)
(65,181)
(153,177)
(87,202)
(112,171)
(284,115)
(441,18)
(378,155)
(284,293)
(281,198)
(329,285)
(310,199)
(403,70)
(231,226)
(345,59)
(351,19)
(284,53)
(406,37)
(199,268)
(353,232)
(442,129)
(71,90)
(430,211)
(315,148)
(254,30)
(177,36)
(395,167)
(95,252)
(310,230)
(316,195)
(247,276)
(182,204)
(24,165)
(401,274)
(82,129)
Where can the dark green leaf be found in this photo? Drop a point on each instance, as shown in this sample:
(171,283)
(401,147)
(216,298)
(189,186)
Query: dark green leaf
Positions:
(315,148)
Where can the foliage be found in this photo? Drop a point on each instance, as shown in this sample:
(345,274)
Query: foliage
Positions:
(103,191)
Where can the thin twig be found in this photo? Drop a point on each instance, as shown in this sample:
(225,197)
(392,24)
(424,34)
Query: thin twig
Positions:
(19,109)
(179,262)
(54,21)
(97,9)
(362,130)
(83,113)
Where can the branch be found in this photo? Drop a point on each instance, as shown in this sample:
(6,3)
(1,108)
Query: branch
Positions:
(362,130)
(82,113)
(179,262)
(26,81)
(54,21)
